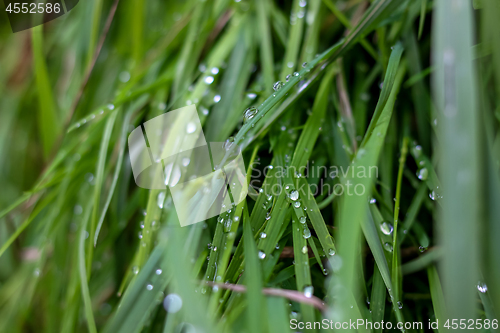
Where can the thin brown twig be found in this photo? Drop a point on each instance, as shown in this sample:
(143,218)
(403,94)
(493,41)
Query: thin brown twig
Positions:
(104,34)
(286,293)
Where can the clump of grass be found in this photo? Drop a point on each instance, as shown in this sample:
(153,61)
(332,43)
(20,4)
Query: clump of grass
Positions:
(82,248)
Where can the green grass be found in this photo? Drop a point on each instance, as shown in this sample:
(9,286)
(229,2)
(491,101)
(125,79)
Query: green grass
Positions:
(408,88)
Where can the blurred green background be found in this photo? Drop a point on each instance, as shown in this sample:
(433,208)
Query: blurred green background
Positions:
(409,86)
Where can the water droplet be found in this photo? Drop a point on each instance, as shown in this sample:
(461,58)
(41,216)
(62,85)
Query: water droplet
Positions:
(111,106)
(422,248)
(268,216)
(308,291)
(160,199)
(433,195)
(158,271)
(388,247)
(228,144)
(209,79)
(262,255)
(190,128)
(217,98)
(417,151)
(422,174)
(386,228)
(289,64)
(135,270)
(214,70)
(296,74)
(400,305)
(307,233)
(220,219)
(331,252)
(172,303)
(305,249)
(277,86)
(251,95)
(482,287)
(263,235)
(296,204)
(228,224)
(373,200)
(249,113)
(302,219)
(294,195)
(124,76)
(287,78)
(77,210)
(149,286)
(304,64)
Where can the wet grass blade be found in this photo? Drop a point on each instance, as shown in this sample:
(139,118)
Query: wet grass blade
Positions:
(438,300)
(396,274)
(48,123)
(118,167)
(455,98)
(89,315)
(352,216)
(253,281)
(98,186)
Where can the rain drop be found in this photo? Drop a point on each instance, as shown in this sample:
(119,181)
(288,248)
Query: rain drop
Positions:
(249,113)
(277,86)
(422,174)
(160,199)
(308,291)
(386,228)
(482,287)
(172,303)
(417,151)
(294,195)
(190,128)
(209,79)
(228,144)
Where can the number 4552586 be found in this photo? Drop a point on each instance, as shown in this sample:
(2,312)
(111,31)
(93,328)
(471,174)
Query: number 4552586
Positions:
(471,324)
(33,8)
